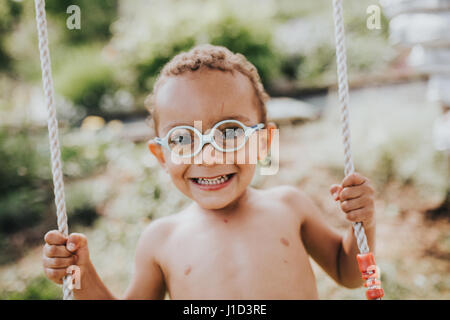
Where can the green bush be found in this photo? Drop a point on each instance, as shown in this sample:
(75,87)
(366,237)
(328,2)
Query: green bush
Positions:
(17,160)
(24,186)
(26,191)
(148,70)
(81,204)
(256,45)
(83,160)
(20,208)
(20,200)
(288,9)
(39,288)
(238,36)
(291,64)
(85,78)
(96,18)
(10,12)
(316,66)
(5,60)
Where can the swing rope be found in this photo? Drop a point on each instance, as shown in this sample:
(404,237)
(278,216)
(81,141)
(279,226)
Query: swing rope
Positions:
(365,259)
(341,60)
(52,124)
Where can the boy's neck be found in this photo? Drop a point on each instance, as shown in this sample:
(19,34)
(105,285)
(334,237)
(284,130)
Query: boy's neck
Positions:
(232,208)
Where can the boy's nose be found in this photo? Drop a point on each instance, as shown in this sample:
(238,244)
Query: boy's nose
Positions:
(209,155)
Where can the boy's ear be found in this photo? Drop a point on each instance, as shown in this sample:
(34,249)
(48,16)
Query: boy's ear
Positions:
(266,140)
(157,151)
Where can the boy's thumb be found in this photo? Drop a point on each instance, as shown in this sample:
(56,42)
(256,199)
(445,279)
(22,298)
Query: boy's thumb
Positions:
(77,244)
(335,191)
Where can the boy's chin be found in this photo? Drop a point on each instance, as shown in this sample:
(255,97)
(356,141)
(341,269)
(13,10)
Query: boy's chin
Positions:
(213,203)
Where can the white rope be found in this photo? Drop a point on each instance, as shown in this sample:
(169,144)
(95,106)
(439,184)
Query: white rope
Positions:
(341,59)
(52,131)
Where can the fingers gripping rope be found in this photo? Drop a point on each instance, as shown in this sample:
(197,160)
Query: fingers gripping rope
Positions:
(341,61)
(53,131)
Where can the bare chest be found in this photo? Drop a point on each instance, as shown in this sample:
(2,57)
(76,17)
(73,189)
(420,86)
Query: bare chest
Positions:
(260,259)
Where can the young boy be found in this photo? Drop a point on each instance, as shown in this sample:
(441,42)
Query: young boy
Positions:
(233,241)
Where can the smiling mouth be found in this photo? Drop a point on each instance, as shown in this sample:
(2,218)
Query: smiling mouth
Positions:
(213,181)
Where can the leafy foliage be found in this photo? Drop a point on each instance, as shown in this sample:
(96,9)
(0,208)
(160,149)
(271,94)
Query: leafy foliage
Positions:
(148,69)
(85,79)
(96,18)
(255,45)
(39,288)
(9,15)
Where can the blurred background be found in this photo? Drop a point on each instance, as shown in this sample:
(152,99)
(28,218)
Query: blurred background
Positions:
(399,80)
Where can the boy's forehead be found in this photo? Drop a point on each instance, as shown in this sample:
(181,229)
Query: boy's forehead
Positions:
(208,96)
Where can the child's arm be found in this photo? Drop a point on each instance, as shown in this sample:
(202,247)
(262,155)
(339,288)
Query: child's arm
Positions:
(334,253)
(148,280)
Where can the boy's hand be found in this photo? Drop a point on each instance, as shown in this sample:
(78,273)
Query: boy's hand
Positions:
(60,252)
(357,198)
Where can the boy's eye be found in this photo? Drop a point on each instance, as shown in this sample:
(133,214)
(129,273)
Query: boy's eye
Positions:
(232,133)
(180,137)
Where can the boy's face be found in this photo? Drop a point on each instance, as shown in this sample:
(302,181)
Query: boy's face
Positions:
(208,96)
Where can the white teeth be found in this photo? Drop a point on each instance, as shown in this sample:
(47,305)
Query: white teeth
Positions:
(217,180)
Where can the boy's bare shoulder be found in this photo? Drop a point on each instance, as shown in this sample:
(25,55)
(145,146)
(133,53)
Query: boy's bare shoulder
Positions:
(286,193)
(292,197)
(160,229)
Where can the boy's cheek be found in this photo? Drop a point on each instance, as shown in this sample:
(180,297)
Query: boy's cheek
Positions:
(172,166)
(249,154)
(175,169)
(176,173)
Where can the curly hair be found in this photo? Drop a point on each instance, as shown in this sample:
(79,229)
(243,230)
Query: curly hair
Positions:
(215,58)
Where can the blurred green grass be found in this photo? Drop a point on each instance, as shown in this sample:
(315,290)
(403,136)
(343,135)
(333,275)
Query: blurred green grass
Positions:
(39,288)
